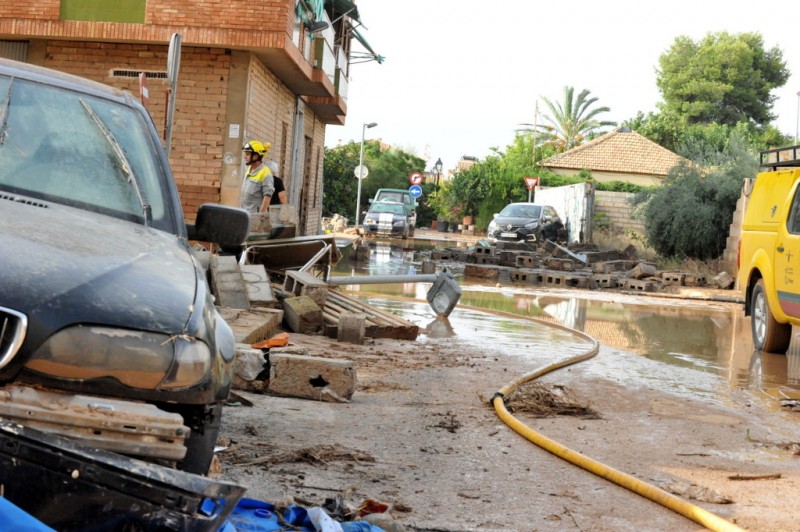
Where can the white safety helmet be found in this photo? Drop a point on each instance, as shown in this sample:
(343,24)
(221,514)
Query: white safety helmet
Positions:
(273,167)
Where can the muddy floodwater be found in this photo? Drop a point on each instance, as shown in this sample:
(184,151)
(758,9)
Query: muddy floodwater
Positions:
(701,348)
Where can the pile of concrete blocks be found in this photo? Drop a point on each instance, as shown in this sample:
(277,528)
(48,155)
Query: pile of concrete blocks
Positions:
(573,266)
(247,301)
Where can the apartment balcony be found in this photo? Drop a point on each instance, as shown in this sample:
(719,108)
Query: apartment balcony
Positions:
(330,67)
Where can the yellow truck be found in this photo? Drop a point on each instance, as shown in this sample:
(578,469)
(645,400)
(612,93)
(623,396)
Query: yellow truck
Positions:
(769,250)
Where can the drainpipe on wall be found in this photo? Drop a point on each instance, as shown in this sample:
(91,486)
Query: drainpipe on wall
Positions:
(587,233)
(297,154)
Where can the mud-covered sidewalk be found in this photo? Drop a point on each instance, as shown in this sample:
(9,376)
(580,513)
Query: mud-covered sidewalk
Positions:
(420,435)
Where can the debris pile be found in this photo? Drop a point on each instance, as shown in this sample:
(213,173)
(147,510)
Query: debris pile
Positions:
(573,266)
(547,400)
(335,224)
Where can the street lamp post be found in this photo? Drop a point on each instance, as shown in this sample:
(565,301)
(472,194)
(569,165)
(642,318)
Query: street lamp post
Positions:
(797,124)
(437,169)
(361,170)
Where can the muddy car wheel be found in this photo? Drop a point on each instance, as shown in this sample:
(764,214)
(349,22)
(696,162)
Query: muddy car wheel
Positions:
(204,423)
(768,334)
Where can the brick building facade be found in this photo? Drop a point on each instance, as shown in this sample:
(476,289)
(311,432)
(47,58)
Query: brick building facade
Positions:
(247,70)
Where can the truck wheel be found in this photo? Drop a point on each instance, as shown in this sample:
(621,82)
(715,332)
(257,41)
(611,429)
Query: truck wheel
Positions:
(768,334)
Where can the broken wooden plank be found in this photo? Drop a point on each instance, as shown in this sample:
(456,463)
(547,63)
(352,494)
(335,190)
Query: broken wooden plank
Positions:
(378,324)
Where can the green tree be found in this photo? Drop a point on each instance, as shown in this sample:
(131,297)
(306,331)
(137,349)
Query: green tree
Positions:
(671,132)
(691,214)
(666,129)
(388,168)
(572,120)
(338,181)
(723,78)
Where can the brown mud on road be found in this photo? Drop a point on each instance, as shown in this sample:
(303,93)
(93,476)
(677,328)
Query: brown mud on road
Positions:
(420,436)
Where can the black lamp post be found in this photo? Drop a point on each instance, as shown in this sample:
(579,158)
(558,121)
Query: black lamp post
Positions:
(437,170)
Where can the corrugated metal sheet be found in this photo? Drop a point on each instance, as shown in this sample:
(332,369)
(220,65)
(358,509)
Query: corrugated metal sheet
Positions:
(16,50)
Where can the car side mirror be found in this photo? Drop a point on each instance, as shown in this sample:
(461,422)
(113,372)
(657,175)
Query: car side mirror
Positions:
(220,224)
(371,200)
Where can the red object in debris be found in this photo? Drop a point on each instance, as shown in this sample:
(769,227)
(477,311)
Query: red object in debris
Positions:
(279,340)
(371,506)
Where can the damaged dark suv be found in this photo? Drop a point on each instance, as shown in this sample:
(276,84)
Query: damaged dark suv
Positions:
(108,331)
(526,222)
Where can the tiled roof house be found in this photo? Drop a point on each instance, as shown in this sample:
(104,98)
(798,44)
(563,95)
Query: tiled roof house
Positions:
(620,155)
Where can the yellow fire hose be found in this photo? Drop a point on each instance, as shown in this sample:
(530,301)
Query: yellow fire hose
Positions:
(655,494)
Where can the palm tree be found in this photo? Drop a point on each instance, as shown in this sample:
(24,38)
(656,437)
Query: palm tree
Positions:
(570,121)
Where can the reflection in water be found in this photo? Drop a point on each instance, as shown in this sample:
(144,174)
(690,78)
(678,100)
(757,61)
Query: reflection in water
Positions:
(440,327)
(709,337)
(518,338)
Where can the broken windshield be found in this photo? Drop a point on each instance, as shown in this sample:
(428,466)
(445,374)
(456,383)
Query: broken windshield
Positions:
(53,150)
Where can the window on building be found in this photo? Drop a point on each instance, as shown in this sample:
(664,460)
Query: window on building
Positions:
(16,50)
(131,11)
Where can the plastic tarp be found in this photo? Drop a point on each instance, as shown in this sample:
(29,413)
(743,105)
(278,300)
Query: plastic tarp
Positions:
(251,515)
(12,517)
(310,7)
(343,8)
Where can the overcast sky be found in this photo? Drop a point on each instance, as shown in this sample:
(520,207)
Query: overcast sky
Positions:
(459,75)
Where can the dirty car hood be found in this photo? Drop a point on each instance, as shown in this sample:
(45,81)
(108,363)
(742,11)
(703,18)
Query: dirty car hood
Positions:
(100,269)
(503,221)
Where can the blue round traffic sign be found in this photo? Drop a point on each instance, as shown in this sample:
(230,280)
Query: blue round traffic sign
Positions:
(416,191)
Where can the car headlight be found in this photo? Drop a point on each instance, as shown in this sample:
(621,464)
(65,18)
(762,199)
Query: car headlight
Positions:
(492,227)
(532,225)
(370,221)
(399,223)
(137,359)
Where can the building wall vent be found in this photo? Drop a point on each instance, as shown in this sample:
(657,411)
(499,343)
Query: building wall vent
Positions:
(119,73)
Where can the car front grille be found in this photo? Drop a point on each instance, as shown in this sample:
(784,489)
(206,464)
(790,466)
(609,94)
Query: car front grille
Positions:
(13,326)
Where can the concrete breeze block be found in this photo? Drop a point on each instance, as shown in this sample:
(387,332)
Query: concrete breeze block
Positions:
(352,328)
(310,377)
(302,315)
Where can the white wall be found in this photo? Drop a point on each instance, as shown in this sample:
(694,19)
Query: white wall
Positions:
(574,204)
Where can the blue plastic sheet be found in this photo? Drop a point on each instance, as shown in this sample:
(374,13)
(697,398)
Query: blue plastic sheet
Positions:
(12,517)
(251,515)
